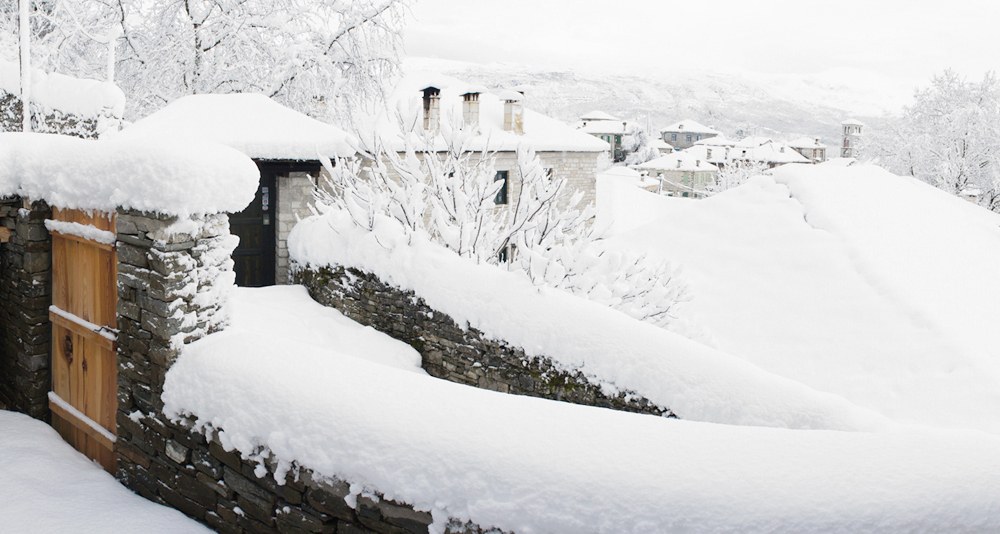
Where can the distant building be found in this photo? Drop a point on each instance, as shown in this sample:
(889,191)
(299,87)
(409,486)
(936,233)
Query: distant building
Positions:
(686,133)
(681,174)
(810,148)
(852,137)
(609,129)
(661,146)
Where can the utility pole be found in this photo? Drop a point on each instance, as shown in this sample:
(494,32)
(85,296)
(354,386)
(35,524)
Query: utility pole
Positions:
(24,42)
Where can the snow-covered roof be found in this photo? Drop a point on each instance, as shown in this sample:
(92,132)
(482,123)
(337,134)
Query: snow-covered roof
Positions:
(752,142)
(542,133)
(598,115)
(774,153)
(598,127)
(718,140)
(806,142)
(711,154)
(251,123)
(678,161)
(77,96)
(852,122)
(173,176)
(659,144)
(690,126)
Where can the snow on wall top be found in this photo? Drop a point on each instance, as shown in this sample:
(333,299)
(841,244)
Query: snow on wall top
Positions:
(690,126)
(176,178)
(77,96)
(541,132)
(251,123)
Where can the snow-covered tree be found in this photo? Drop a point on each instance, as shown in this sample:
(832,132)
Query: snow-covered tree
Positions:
(451,198)
(638,148)
(949,137)
(735,173)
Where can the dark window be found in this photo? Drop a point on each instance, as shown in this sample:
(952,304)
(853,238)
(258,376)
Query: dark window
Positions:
(501,197)
(549,173)
(689,137)
(673,137)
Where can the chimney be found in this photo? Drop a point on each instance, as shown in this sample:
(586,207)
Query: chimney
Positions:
(470,109)
(432,108)
(678,163)
(513,111)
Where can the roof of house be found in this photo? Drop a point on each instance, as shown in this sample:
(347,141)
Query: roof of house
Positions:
(250,123)
(852,122)
(659,144)
(402,123)
(77,96)
(598,127)
(806,142)
(718,140)
(690,126)
(752,142)
(678,161)
(774,153)
(598,115)
(711,154)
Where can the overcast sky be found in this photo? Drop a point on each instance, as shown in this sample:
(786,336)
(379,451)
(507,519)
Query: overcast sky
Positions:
(902,40)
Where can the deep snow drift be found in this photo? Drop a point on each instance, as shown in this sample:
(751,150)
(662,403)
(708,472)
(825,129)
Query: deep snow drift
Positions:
(46,486)
(307,389)
(848,279)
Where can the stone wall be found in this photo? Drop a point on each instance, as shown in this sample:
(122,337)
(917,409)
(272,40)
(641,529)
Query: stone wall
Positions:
(162,281)
(451,352)
(44,121)
(25,297)
(295,195)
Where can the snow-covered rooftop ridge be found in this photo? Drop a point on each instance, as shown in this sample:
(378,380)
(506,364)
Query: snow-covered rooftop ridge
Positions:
(852,122)
(250,123)
(679,161)
(598,115)
(690,126)
(598,127)
(174,177)
(718,140)
(613,349)
(404,116)
(59,92)
(770,153)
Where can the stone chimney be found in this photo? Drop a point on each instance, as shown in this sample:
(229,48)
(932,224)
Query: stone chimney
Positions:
(432,108)
(513,111)
(470,109)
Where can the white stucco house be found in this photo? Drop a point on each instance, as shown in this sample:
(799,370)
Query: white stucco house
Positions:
(607,128)
(681,174)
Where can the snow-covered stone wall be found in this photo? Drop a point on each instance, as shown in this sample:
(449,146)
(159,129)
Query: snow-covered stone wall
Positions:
(459,354)
(45,121)
(25,296)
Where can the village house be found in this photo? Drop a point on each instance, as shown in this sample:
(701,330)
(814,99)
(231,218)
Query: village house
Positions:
(810,148)
(496,123)
(681,174)
(686,133)
(609,129)
(286,146)
(766,151)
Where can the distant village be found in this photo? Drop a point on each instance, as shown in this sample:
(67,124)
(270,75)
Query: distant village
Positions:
(689,159)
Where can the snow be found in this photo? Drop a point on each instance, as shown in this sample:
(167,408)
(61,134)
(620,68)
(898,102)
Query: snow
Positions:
(806,142)
(532,465)
(601,127)
(46,486)
(852,122)
(847,279)
(716,140)
(84,231)
(678,161)
(87,98)
(689,126)
(175,177)
(598,115)
(542,133)
(614,350)
(250,123)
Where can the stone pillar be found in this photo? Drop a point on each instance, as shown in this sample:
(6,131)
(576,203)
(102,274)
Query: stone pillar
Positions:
(25,297)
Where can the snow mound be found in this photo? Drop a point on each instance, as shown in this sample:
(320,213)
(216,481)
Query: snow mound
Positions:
(619,352)
(532,465)
(46,486)
(176,177)
(251,123)
(850,280)
(78,96)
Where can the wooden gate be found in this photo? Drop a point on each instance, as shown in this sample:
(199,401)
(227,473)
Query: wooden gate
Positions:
(84,397)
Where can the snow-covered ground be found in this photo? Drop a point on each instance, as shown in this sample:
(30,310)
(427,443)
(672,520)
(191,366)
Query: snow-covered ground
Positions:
(46,486)
(850,280)
(533,465)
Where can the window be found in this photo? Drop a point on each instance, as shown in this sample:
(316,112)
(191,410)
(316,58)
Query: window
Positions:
(549,173)
(673,137)
(501,197)
(689,138)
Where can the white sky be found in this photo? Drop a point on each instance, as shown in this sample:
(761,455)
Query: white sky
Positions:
(900,40)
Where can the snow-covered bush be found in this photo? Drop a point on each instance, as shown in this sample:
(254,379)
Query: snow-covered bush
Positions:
(544,231)
(735,173)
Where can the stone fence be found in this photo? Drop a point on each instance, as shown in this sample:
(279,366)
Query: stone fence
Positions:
(452,352)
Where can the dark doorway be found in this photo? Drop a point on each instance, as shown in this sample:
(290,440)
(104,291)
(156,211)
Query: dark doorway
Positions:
(254,258)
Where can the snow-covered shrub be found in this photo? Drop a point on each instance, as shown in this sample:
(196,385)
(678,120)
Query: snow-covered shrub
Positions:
(544,232)
(735,173)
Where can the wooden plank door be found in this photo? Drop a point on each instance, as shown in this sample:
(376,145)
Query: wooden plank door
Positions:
(254,258)
(84,396)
